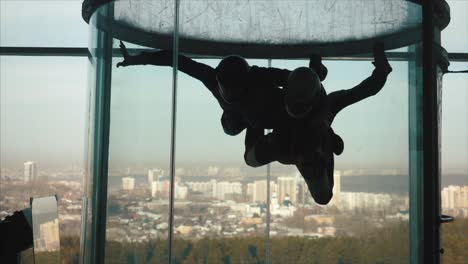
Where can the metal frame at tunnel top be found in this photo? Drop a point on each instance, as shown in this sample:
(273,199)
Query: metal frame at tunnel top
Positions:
(404,35)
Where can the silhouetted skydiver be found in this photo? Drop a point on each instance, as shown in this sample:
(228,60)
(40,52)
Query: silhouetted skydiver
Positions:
(251,98)
(309,142)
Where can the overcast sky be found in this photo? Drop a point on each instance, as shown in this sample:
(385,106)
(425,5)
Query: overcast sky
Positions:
(44,99)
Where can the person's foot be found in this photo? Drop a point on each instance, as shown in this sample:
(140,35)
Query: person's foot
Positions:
(316,175)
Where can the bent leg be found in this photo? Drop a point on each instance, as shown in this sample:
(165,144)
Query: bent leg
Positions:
(258,148)
(232,123)
(318,175)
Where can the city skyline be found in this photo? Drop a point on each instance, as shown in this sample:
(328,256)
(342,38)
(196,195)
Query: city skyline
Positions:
(138,211)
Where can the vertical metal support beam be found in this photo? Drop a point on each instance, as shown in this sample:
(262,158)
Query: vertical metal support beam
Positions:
(268,213)
(431,168)
(416,175)
(175,63)
(436,16)
(424,134)
(430,140)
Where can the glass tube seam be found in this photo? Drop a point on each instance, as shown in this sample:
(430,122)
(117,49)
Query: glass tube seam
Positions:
(268,213)
(175,60)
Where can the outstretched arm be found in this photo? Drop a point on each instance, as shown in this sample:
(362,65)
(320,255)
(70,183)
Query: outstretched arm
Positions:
(199,71)
(369,87)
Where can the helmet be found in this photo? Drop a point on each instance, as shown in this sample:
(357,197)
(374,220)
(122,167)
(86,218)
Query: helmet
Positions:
(302,92)
(231,73)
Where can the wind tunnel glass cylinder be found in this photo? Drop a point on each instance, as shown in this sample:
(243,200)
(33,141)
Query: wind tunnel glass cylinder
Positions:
(221,204)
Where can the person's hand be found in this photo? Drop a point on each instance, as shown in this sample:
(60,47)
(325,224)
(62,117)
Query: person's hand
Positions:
(315,63)
(380,59)
(127,58)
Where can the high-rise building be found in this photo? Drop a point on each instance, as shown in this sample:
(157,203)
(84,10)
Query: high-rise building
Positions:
(153,174)
(128,183)
(250,190)
(464,197)
(203,187)
(259,192)
(49,234)
(287,187)
(455,197)
(362,200)
(154,189)
(302,192)
(180,191)
(336,189)
(30,171)
(212,171)
(220,189)
(160,188)
(213,187)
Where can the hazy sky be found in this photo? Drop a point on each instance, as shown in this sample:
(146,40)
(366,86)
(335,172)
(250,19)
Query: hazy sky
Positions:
(44,99)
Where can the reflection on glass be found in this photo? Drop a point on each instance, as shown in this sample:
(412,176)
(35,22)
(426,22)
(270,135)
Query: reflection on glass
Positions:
(45,230)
